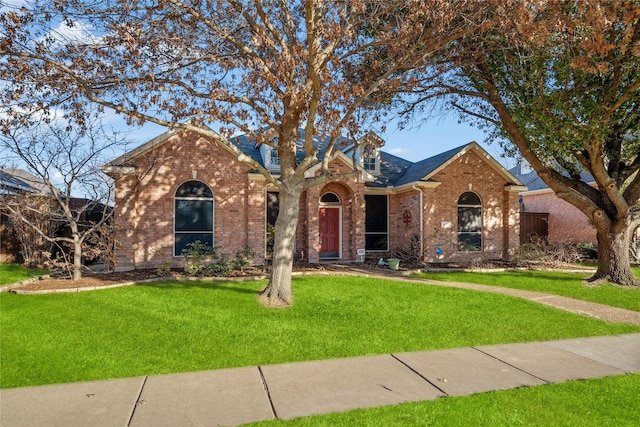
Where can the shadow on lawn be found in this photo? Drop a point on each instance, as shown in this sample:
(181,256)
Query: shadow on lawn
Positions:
(552,276)
(205,284)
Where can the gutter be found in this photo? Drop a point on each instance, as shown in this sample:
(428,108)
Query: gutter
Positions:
(421,221)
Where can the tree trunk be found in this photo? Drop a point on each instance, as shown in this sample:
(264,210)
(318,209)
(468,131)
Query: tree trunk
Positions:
(77,259)
(613,256)
(278,292)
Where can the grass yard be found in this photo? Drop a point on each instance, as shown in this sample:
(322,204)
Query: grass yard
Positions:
(11,273)
(189,326)
(553,282)
(590,403)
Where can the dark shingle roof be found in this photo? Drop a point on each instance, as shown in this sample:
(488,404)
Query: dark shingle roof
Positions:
(424,167)
(249,148)
(394,171)
(392,168)
(10,183)
(533,182)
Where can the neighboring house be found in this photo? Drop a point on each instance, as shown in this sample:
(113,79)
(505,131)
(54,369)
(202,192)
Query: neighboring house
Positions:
(15,183)
(178,188)
(18,181)
(539,204)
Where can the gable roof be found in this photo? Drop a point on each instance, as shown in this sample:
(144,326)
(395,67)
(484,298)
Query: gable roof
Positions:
(19,180)
(424,170)
(394,171)
(10,184)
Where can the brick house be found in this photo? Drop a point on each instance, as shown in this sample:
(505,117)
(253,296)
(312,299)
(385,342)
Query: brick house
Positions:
(178,188)
(564,222)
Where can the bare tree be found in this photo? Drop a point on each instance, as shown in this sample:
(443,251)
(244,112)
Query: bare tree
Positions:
(276,66)
(67,162)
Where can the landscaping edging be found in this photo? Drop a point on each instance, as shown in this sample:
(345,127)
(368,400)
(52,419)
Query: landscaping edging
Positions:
(11,286)
(347,270)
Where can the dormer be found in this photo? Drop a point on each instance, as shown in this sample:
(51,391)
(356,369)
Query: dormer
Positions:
(369,152)
(269,154)
(270,157)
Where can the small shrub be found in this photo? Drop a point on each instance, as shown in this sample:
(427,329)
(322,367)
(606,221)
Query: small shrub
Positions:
(165,265)
(201,259)
(587,250)
(244,258)
(195,257)
(222,264)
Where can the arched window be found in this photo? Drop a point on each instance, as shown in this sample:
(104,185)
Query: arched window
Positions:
(193,215)
(329,198)
(469,222)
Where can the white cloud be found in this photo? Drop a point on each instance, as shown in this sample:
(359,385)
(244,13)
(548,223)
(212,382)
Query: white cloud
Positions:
(11,4)
(52,114)
(74,32)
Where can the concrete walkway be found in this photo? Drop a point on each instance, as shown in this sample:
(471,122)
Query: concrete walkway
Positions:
(586,308)
(243,395)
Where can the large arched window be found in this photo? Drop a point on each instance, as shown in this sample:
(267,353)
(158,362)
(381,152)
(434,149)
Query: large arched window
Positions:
(469,222)
(193,215)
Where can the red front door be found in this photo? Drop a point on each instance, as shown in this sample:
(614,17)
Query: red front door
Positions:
(329,232)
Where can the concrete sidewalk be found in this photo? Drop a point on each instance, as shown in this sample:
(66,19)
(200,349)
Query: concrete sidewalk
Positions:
(243,395)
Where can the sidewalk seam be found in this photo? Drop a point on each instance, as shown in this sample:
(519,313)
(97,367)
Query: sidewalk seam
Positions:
(513,366)
(137,401)
(266,389)
(420,375)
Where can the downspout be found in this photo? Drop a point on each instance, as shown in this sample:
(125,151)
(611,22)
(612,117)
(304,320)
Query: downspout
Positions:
(421,221)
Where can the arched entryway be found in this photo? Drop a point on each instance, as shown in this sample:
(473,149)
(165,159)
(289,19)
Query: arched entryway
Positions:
(330,226)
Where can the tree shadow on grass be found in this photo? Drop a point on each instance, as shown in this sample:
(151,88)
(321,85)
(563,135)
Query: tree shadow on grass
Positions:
(234,286)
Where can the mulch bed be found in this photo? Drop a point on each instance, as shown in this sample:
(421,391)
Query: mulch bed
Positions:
(96,280)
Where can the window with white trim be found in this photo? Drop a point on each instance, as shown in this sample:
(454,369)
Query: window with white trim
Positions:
(369,160)
(274,158)
(469,222)
(193,215)
(376,223)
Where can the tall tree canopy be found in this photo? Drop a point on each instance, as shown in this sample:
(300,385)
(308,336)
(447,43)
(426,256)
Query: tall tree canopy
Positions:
(247,65)
(559,80)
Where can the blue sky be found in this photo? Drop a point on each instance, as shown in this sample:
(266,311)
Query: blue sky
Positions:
(431,138)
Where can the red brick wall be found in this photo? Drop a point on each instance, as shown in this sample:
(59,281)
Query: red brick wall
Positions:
(401,233)
(145,201)
(469,173)
(567,224)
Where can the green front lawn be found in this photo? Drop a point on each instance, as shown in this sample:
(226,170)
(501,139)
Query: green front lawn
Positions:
(12,273)
(189,326)
(565,284)
(609,401)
